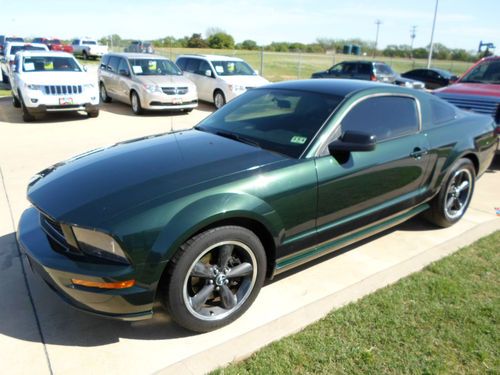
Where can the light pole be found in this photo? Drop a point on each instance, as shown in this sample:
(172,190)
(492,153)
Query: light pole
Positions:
(413,34)
(378,23)
(432,36)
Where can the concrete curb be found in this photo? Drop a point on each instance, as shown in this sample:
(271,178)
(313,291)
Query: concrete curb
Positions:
(245,345)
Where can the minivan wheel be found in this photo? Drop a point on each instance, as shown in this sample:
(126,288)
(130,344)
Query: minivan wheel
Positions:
(214,278)
(104,94)
(136,103)
(453,199)
(219,99)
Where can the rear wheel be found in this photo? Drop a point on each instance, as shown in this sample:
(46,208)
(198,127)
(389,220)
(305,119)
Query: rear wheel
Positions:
(136,103)
(214,278)
(104,94)
(452,202)
(219,99)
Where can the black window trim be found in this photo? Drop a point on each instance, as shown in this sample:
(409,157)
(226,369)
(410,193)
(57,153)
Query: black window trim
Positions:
(320,151)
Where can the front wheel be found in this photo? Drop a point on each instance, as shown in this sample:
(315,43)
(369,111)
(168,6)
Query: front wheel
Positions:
(104,93)
(136,103)
(214,278)
(27,116)
(219,99)
(452,202)
(94,113)
(15,101)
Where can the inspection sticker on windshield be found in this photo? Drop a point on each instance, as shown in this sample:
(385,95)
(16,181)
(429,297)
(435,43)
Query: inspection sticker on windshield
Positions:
(298,139)
(137,69)
(28,67)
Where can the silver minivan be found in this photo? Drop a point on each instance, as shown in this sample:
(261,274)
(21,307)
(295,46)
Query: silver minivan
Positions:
(146,82)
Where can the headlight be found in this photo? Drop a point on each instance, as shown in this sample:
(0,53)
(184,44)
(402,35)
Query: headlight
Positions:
(33,87)
(236,88)
(152,88)
(99,244)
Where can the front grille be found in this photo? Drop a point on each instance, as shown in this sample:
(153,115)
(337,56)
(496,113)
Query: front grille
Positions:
(62,89)
(480,104)
(175,90)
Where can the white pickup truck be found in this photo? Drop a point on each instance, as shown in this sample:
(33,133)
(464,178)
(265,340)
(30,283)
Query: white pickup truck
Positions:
(88,48)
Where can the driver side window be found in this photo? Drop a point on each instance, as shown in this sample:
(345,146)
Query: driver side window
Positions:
(385,117)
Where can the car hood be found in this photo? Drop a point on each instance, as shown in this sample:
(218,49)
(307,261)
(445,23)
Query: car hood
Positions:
(164,80)
(471,89)
(58,78)
(247,81)
(92,188)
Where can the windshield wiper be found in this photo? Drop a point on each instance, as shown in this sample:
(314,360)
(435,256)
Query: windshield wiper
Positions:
(237,137)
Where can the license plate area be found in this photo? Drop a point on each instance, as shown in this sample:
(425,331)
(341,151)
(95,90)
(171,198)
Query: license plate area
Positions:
(66,101)
(177,100)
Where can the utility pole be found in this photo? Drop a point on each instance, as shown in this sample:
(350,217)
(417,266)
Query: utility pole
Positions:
(378,23)
(432,36)
(413,34)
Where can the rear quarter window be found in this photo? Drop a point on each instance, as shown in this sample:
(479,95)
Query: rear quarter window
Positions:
(441,112)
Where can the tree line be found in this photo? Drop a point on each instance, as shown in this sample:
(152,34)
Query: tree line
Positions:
(219,39)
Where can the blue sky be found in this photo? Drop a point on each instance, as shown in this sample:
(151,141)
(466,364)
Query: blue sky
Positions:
(460,23)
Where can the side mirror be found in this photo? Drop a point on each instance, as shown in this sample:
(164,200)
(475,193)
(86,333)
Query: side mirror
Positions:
(208,73)
(124,73)
(454,79)
(352,141)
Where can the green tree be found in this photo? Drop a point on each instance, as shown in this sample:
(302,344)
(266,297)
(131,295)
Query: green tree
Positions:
(249,44)
(220,40)
(196,41)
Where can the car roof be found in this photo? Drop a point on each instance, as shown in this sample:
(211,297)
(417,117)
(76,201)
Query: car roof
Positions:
(213,57)
(44,53)
(134,55)
(338,87)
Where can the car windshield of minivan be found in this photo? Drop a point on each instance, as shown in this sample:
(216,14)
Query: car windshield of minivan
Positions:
(15,49)
(233,68)
(282,121)
(50,64)
(487,72)
(154,67)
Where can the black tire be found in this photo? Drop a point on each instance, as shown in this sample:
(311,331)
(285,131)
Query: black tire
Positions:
(15,101)
(94,113)
(229,251)
(452,202)
(219,99)
(27,116)
(85,56)
(189,110)
(103,93)
(135,102)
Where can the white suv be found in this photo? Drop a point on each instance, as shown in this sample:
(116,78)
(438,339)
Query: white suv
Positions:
(10,51)
(219,78)
(52,82)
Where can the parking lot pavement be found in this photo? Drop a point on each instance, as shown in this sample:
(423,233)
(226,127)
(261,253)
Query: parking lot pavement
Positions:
(39,333)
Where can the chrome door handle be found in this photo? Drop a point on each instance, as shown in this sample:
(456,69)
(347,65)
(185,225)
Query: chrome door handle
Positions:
(419,152)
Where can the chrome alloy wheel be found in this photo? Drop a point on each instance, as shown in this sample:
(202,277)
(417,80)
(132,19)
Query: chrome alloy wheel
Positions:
(220,280)
(135,103)
(104,94)
(458,193)
(219,100)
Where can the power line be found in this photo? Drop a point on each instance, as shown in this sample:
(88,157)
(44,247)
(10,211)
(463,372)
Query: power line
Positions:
(432,36)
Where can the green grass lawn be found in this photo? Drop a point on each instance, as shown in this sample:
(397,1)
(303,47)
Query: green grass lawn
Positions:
(442,320)
(4,92)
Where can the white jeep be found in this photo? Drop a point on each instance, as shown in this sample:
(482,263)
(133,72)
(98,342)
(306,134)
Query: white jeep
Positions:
(46,81)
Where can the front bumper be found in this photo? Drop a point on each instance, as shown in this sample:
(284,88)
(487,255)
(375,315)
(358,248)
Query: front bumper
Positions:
(37,101)
(161,101)
(62,108)
(57,270)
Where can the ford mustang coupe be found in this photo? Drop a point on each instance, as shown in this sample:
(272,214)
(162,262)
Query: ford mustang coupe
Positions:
(280,175)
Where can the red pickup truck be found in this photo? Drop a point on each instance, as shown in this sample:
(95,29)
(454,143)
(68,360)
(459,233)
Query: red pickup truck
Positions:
(478,89)
(54,44)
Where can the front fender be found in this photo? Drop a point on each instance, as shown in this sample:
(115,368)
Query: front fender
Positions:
(204,212)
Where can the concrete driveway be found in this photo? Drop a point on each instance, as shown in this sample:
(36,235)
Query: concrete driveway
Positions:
(40,334)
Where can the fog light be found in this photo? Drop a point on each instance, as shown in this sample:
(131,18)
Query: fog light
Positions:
(96,284)
(34,101)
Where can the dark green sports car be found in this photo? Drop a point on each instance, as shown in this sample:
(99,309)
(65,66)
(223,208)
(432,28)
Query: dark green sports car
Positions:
(279,176)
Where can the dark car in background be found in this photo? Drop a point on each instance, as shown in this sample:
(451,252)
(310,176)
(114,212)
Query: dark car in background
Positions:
(433,78)
(139,46)
(279,176)
(368,71)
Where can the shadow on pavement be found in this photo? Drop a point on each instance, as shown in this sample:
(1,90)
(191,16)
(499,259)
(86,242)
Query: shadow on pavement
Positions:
(119,108)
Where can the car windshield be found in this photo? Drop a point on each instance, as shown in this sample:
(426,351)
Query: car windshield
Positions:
(487,72)
(233,68)
(89,42)
(283,121)
(50,64)
(383,69)
(55,41)
(15,49)
(444,73)
(154,67)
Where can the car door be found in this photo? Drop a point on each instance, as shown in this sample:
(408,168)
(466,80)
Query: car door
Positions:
(113,78)
(190,66)
(206,85)
(335,71)
(373,185)
(123,80)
